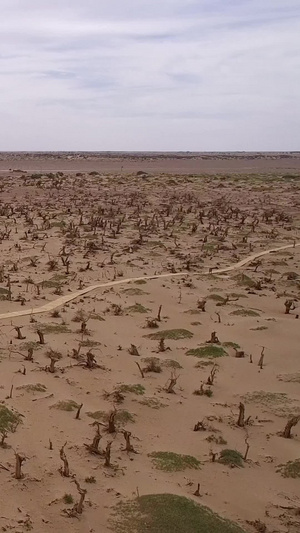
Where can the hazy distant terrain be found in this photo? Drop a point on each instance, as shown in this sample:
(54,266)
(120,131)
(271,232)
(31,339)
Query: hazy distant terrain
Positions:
(167,162)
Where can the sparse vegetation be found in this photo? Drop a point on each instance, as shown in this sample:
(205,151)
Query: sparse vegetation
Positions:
(173,462)
(290,469)
(231,458)
(211,351)
(173,334)
(65,405)
(168,513)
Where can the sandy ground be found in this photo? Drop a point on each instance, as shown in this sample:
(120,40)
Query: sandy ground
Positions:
(61,233)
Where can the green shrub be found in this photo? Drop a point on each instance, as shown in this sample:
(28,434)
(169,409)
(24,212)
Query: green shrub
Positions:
(231,458)
(173,462)
(168,513)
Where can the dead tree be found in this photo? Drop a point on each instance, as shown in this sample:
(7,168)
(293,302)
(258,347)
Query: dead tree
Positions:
(78,412)
(128,447)
(133,350)
(111,422)
(159,313)
(78,507)
(19,333)
(107,454)
(90,360)
(241,418)
(64,470)
(94,447)
(140,369)
(289,306)
(201,305)
(290,424)
(41,336)
(200,426)
(247,448)
(18,469)
(161,346)
(197,491)
(213,339)
(239,353)
(171,384)
(29,356)
(211,377)
(54,356)
(261,359)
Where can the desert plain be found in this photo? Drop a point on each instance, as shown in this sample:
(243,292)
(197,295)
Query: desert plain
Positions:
(149,348)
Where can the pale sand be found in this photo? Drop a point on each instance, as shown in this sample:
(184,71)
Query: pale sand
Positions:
(159,261)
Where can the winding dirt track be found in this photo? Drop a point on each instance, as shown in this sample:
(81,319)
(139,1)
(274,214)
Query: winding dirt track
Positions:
(72,296)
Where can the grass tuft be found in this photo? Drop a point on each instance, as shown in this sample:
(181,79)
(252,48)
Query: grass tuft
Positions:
(231,458)
(173,462)
(174,334)
(137,308)
(33,387)
(244,312)
(122,416)
(290,469)
(208,351)
(134,389)
(65,405)
(168,513)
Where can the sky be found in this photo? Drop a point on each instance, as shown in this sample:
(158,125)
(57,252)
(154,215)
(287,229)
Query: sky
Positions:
(197,75)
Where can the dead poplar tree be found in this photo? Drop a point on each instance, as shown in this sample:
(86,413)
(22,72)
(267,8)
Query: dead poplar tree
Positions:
(29,356)
(41,336)
(201,305)
(94,447)
(213,339)
(18,469)
(159,313)
(107,454)
(247,447)
(140,369)
(290,424)
(64,470)
(78,412)
(241,418)
(133,350)
(19,333)
(78,507)
(128,447)
(261,359)
(90,360)
(161,346)
(289,306)
(171,383)
(54,357)
(111,421)
(197,491)
(211,377)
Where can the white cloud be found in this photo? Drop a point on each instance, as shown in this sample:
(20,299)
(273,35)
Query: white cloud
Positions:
(139,75)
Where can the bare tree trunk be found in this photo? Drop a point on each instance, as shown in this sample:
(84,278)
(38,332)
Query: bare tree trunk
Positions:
(78,412)
(128,447)
(140,369)
(111,422)
(159,313)
(78,507)
(18,470)
(241,419)
(107,454)
(94,447)
(65,470)
(291,423)
(41,336)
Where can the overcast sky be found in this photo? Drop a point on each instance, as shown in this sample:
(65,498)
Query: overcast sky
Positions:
(150,75)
